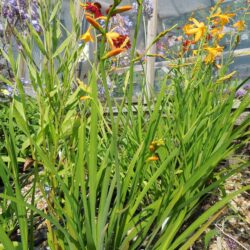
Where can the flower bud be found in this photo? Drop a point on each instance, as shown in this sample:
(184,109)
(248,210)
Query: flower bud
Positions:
(95,24)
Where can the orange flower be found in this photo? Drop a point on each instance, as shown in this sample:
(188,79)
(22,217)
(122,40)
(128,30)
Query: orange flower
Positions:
(119,9)
(153,158)
(155,144)
(240,25)
(152,147)
(213,52)
(87,36)
(222,18)
(94,23)
(186,45)
(113,52)
(197,29)
(92,8)
(118,41)
(123,8)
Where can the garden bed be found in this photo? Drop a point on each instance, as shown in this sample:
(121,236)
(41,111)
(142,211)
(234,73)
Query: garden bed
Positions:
(80,169)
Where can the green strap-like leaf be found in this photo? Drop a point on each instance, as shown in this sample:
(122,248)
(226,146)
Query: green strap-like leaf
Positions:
(5,240)
(210,212)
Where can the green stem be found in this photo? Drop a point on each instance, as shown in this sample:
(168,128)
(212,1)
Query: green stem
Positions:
(113,124)
(131,68)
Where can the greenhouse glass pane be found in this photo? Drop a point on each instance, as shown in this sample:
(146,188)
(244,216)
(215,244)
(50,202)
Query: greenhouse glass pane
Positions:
(200,10)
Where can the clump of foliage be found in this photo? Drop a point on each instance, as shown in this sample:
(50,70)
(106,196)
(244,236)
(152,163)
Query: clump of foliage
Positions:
(123,178)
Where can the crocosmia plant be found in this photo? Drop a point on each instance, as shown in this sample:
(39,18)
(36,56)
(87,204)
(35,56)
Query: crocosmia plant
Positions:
(82,169)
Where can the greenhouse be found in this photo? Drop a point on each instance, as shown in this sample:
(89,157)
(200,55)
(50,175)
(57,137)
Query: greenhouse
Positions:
(124,124)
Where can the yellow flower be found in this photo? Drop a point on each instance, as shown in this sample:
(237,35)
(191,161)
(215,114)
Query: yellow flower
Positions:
(217,33)
(117,40)
(213,52)
(240,25)
(87,36)
(197,29)
(83,86)
(222,18)
(195,52)
(111,36)
(218,66)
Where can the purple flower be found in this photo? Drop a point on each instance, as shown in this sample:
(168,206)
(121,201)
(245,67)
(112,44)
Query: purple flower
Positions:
(24,82)
(101,90)
(147,10)
(121,24)
(19,12)
(36,25)
(246,86)
(240,93)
